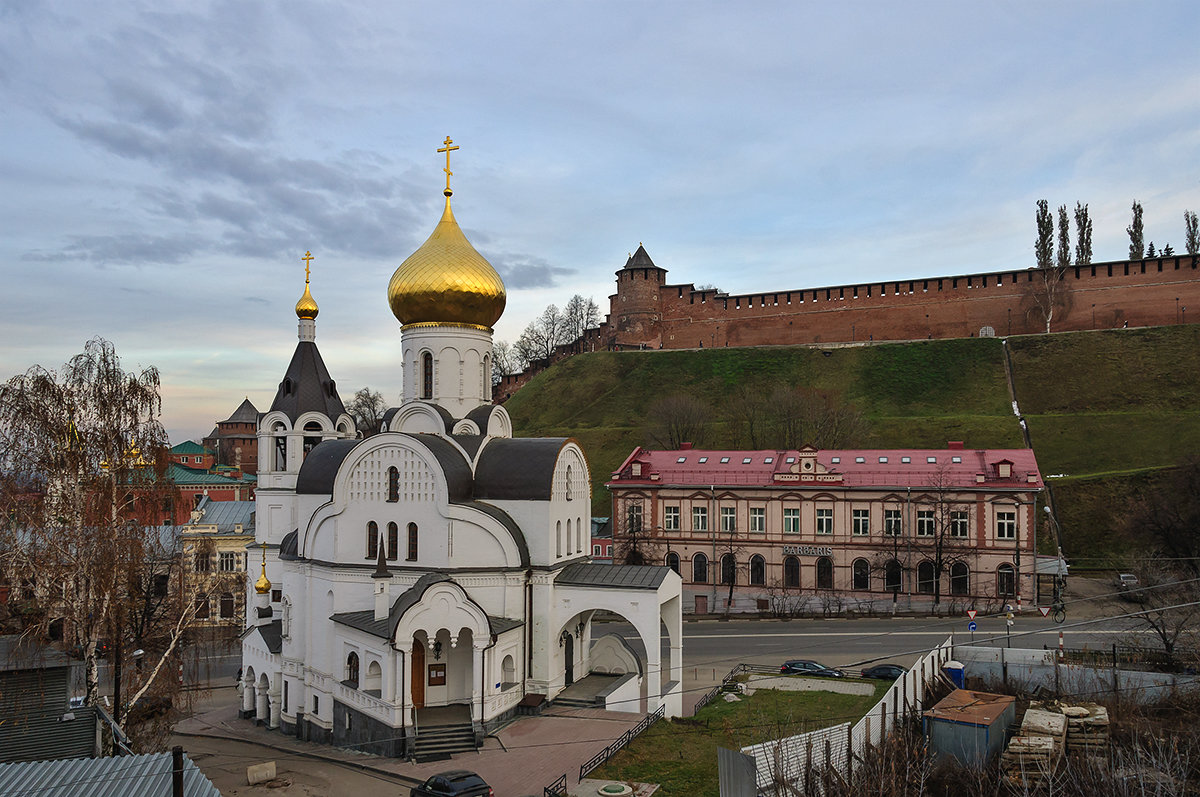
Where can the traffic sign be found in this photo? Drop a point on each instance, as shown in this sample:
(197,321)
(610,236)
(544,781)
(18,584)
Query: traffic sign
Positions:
(1045,610)
(971,626)
(971,614)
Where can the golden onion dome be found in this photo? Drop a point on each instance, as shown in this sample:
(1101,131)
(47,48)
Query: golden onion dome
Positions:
(446,281)
(307,306)
(263,585)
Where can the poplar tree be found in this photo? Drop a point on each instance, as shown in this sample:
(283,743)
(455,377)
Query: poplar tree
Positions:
(1192,237)
(1083,235)
(1064,238)
(1043,247)
(1137,241)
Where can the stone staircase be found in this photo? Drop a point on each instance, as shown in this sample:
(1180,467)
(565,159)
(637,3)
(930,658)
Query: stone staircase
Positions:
(441,741)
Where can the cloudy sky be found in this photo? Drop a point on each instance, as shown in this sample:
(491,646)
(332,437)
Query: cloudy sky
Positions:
(165,165)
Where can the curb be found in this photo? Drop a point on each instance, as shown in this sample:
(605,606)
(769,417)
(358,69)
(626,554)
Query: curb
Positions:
(404,779)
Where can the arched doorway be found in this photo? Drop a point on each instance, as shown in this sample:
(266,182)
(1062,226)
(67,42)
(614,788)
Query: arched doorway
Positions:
(418,674)
(569,657)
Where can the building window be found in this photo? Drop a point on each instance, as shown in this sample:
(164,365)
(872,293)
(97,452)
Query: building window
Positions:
(862,522)
(316,704)
(892,576)
(1006,581)
(285,697)
(758,519)
(412,542)
(228,562)
(393,485)
(925,577)
(960,576)
(227,606)
(728,519)
(959,524)
(824,573)
(558,538)
(728,569)
(673,561)
(352,670)
(202,562)
(393,542)
(861,572)
(276,595)
(699,518)
(824,521)
(892,525)
(700,569)
(791,572)
(633,521)
(671,518)
(758,571)
(791,521)
(372,540)
(312,436)
(925,524)
(426,375)
(595,550)
(202,608)
(1006,525)
(196,460)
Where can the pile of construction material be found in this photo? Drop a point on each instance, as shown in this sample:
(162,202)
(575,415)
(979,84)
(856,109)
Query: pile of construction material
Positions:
(1032,754)
(1087,728)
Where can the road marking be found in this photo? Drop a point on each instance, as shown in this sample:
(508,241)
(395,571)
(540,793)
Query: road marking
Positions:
(862,634)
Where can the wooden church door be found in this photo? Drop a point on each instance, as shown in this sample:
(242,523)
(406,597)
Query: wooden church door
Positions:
(418,674)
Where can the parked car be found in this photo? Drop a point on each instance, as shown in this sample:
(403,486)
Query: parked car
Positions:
(1127,581)
(884,672)
(807,667)
(457,783)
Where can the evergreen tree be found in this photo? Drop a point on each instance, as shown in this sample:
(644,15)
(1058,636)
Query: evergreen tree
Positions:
(1137,250)
(1043,247)
(1150,252)
(1083,235)
(1192,223)
(1167,251)
(1064,238)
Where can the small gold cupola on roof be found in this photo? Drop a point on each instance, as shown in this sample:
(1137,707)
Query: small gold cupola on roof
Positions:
(263,585)
(446,281)
(307,308)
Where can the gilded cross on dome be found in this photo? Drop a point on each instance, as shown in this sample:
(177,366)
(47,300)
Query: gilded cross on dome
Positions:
(308,258)
(447,149)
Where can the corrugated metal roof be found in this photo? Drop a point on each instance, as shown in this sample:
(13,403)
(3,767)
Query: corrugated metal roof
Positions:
(181,475)
(127,776)
(189,447)
(621,576)
(970,708)
(226,515)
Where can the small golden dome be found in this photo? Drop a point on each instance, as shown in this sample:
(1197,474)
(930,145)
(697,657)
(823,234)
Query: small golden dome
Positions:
(307,306)
(263,585)
(446,281)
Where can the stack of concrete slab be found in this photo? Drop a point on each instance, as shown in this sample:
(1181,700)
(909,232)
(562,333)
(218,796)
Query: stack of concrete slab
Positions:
(1087,728)
(1031,755)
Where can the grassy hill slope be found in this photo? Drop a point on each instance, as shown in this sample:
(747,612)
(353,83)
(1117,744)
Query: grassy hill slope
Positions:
(1098,404)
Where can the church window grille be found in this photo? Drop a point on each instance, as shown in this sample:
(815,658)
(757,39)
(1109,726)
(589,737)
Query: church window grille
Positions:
(372,540)
(393,549)
(426,375)
(393,485)
(352,670)
(412,542)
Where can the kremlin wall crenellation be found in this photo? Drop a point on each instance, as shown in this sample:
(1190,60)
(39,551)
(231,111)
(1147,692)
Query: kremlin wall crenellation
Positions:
(648,313)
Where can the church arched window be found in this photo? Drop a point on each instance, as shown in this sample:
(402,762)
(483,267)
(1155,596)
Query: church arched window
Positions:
(352,670)
(412,542)
(700,568)
(426,375)
(393,549)
(372,540)
(312,436)
(279,434)
(558,538)
(568,536)
(568,482)
(578,535)
(393,485)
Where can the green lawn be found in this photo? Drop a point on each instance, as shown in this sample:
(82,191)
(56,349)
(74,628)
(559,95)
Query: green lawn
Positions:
(681,754)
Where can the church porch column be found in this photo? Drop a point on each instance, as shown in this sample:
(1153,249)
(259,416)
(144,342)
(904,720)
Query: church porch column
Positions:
(476,681)
(275,704)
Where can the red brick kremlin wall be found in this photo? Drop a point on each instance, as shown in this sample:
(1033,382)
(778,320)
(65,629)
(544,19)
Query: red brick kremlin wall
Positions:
(646,312)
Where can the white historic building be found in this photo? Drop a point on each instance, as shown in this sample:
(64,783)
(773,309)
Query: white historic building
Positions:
(438,569)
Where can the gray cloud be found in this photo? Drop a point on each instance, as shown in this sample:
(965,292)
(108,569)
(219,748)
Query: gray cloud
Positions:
(527,271)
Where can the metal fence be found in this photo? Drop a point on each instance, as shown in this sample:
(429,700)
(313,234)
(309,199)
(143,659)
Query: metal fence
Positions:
(732,677)
(1131,658)
(556,789)
(625,738)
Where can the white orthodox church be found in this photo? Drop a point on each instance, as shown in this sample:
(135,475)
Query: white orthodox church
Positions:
(439,568)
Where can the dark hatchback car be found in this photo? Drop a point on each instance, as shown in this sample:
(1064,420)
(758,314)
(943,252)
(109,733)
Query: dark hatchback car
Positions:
(807,667)
(884,672)
(458,783)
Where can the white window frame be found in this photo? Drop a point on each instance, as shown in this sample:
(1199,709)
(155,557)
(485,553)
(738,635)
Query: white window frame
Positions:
(1006,525)
(926,524)
(670,518)
(893,522)
(825,521)
(791,521)
(729,519)
(699,518)
(960,524)
(758,519)
(230,558)
(862,522)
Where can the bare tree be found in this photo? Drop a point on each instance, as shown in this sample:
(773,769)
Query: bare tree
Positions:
(505,361)
(1166,517)
(367,409)
(634,541)
(1048,295)
(807,416)
(83,459)
(676,419)
(940,533)
(750,410)
(1083,235)
(579,315)
(540,338)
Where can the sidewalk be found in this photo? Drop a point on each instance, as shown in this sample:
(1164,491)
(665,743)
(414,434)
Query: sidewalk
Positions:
(520,759)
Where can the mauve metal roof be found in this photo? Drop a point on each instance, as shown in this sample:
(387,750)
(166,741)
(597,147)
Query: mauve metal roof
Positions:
(124,776)
(586,574)
(878,467)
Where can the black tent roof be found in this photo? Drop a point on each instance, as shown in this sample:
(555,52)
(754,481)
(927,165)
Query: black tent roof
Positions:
(307,386)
